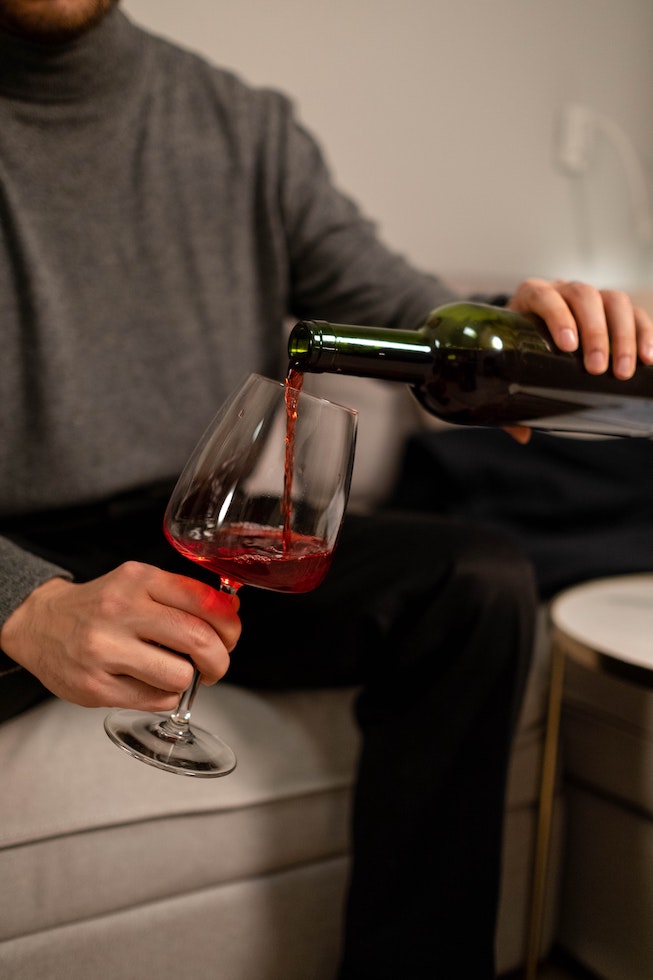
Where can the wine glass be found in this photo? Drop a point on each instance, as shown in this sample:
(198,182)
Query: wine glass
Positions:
(260,502)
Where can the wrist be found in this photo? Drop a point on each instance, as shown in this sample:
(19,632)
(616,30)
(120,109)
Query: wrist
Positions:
(17,622)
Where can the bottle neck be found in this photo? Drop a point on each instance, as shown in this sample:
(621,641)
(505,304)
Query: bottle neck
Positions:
(316,346)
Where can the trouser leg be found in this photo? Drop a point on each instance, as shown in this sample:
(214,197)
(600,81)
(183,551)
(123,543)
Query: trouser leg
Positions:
(436,620)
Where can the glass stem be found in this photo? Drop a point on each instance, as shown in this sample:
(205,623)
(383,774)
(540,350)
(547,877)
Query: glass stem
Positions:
(181,715)
(178,724)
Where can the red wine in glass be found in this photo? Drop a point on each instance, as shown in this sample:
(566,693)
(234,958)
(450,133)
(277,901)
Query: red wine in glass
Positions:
(269,558)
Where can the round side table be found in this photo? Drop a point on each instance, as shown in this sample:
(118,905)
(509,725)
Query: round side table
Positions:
(607,625)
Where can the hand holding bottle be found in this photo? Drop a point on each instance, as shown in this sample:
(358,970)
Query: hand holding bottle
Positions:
(603,322)
(599,321)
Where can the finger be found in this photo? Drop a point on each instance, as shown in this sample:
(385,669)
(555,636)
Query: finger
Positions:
(178,633)
(131,674)
(144,698)
(644,330)
(521,433)
(123,691)
(121,654)
(620,318)
(218,609)
(159,667)
(587,305)
(545,299)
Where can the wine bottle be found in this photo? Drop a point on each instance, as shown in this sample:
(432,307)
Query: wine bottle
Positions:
(476,364)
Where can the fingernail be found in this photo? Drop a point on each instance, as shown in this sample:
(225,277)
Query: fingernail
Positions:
(568,340)
(623,367)
(595,361)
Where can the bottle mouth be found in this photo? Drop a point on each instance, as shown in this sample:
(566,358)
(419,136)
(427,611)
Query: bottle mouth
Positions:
(299,343)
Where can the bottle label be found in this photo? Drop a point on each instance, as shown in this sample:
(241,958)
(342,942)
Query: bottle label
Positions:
(608,414)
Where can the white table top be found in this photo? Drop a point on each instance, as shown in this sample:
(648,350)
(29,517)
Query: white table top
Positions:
(611,616)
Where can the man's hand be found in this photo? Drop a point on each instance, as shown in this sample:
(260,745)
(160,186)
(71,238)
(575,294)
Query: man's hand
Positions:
(115,641)
(603,322)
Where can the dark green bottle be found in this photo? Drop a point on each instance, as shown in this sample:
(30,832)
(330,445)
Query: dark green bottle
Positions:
(475,364)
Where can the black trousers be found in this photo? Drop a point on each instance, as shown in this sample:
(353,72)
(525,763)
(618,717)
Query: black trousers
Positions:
(435,620)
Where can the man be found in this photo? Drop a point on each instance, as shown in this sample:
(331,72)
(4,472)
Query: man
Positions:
(159,221)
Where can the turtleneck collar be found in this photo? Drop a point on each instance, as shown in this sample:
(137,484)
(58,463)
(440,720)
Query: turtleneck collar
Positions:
(98,62)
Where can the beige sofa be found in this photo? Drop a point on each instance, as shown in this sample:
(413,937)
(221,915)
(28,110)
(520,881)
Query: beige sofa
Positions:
(111,868)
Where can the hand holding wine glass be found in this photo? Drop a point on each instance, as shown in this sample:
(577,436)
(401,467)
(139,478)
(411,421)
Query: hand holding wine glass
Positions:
(260,502)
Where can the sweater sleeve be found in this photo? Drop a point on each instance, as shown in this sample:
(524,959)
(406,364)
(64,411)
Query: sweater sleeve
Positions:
(340,269)
(20,573)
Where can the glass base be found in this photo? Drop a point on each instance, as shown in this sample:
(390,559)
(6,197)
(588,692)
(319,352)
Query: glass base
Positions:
(153,739)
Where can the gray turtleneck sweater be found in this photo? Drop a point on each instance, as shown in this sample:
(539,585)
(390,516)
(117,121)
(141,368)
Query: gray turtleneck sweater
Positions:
(159,220)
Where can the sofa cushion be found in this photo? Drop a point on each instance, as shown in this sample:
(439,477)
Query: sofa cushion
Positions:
(283,926)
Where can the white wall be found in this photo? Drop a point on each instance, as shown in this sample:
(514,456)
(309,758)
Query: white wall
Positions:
(441,118)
